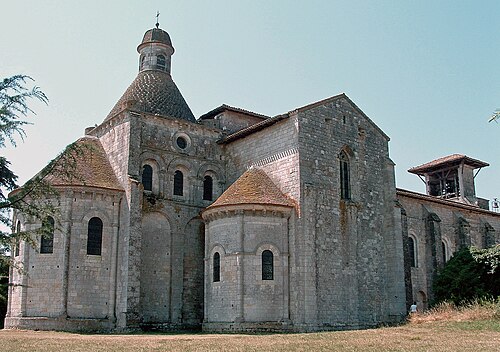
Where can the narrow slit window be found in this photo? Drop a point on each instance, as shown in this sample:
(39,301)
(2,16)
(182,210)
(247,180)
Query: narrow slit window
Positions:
(345,183)
(94,238)
(141,65)
(178,183)
(216,273)
(17,243)
(267,265)
(147,177)
(47,240)
(413,252)
(160,62)
(208,185)
(445,251)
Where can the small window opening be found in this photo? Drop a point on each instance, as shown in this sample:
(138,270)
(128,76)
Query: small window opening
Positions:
(413,252)
(94,238)
(267,265)
(216,273)
(208,188)
(345,187)
(147,177)
(181,142)
(17,242)
(47,240)
(445,252)
(444,185)
(141,65)
(160,62)
(178,183)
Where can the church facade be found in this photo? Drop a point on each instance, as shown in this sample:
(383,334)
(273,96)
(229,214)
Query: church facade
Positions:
(237,221)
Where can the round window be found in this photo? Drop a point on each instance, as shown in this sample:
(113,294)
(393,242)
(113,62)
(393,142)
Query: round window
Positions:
(181,142)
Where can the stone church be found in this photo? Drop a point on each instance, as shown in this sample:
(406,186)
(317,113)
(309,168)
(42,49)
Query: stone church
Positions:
(237,221)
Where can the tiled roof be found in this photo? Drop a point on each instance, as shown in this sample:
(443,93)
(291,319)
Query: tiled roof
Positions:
(449,160)
(406,193)
(272,120)
(253,128)
(253,187)
(225,107)
(84,164)
(154,92)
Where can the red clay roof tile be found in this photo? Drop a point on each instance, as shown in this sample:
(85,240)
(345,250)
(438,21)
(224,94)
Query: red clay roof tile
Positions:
(253,187)
(88,165)
(449,160)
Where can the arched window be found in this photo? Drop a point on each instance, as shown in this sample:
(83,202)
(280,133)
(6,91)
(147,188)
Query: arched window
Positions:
(94,238)
(445,251)
(160,62)
(208,185)
(267,265)
(216,274)
(142,60)
(47,240)
(413,252)
(147,177)
(18,242)
(178,183)
(345,183)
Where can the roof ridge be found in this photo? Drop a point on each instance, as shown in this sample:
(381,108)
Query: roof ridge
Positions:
(232,108)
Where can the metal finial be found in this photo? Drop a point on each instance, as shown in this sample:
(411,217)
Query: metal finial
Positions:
(157,16)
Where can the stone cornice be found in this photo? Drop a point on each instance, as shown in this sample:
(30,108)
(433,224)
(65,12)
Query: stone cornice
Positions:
(247,209)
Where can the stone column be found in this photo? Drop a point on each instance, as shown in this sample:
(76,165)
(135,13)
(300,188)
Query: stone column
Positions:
(66,232)
(114,260)
(286,268)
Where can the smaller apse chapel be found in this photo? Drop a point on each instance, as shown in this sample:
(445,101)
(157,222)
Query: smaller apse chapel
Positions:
(238,221)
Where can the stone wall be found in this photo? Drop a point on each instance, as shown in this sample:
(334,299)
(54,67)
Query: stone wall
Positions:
(231,121)
(240,234)
(274,150)
(68,283)
(348,256)
(456,225)
(162,234)
(114,136)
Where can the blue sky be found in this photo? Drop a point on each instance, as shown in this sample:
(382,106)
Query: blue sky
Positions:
(427,72)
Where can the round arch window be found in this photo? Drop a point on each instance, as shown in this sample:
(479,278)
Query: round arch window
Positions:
(181,142)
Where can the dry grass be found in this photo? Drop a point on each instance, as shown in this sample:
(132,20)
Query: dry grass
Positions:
(421,337)
(447,328)
(446,311)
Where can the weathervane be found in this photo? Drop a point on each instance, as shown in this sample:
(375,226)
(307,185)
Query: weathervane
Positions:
(157,15)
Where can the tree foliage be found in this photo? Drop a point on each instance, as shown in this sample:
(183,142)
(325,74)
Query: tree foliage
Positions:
(14,96)
(14,109)
(471,273)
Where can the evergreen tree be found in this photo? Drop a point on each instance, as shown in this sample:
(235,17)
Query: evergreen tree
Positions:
(471,273)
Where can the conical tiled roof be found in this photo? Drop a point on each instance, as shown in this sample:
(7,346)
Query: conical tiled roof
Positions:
(253,187)
(84,163)
(154,92)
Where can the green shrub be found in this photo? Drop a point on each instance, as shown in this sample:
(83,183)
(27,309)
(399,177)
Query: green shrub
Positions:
(470,274)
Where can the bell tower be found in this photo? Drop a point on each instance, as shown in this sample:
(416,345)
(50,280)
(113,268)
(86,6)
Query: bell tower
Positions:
(451,177)
(155,51)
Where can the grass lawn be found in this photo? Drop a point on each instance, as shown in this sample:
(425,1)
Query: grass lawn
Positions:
(469,335)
